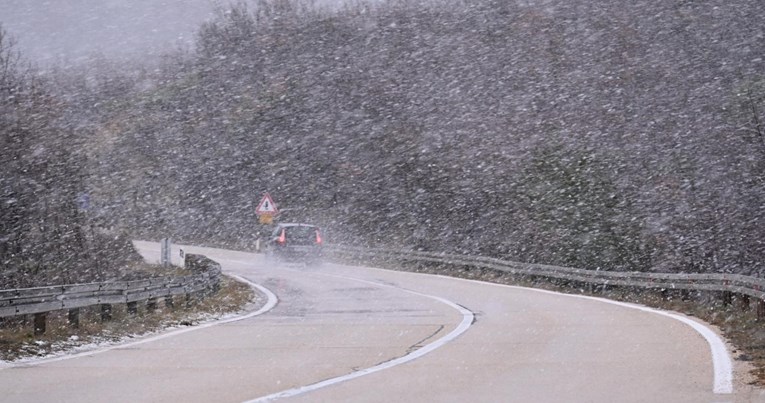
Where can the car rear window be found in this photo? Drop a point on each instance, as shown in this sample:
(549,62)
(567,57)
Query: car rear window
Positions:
(301,234)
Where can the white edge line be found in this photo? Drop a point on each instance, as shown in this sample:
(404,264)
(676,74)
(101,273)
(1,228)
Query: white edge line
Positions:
(270,304)
(467,321)
(721,361)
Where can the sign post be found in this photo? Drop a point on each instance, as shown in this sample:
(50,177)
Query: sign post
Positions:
(266,219)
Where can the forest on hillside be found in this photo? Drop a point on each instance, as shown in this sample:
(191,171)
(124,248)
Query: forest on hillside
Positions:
(580,133)
(46,236)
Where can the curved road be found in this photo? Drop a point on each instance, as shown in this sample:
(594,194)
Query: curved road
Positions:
(360,334)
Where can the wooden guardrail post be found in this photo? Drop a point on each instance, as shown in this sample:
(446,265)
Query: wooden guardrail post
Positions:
(664,293)
(745,302)
(106,312)
(132,307)
(73,318)
(727,298)
(151,304)
(685,295)
(39,324)
(190,300)
(760,308)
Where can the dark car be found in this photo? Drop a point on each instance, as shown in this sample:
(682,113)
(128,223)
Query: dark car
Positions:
(293,241)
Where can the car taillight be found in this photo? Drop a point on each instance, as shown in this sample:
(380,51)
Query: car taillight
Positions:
(318,238)
(282,237)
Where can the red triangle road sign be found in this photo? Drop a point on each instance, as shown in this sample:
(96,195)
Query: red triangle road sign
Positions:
(266,206)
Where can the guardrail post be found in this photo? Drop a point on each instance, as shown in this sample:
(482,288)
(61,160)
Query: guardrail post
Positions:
(132,308)
(151,304)
(39,324)
(190,300)
(727,298)
(760,309)
(664,293)
(685,295)
(746,302)
(73,317)
(106,312)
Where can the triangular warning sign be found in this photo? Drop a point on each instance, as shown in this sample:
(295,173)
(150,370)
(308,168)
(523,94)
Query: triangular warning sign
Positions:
(266,206)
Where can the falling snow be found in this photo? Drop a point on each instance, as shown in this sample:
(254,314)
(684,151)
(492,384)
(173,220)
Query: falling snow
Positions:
(582,133)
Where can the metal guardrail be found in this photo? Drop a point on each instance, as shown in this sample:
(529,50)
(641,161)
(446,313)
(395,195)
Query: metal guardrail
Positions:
(71,296)
(44,299)
(733,283)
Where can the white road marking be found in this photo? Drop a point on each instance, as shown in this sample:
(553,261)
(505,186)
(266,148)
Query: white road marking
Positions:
(270,304)
(467,321)
(721,361)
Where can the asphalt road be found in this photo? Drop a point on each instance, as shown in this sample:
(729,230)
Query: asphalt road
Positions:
(341,333)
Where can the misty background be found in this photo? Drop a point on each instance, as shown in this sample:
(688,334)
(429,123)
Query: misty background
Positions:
(79,31)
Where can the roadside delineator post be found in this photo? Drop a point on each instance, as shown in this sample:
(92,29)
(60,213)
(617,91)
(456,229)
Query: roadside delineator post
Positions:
(165,252)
